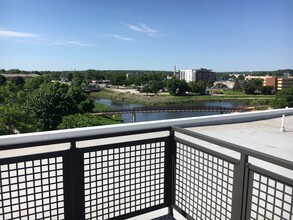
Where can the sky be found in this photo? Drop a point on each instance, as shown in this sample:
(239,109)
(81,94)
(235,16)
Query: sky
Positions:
(222,35)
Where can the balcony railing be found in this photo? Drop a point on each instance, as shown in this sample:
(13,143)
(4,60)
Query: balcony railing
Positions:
(122,171)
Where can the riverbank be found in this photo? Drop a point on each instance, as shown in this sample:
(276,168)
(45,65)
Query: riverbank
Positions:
(132,96)
(106,119)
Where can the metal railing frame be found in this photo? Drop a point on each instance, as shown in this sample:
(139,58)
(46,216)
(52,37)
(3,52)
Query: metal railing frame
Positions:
(73,158)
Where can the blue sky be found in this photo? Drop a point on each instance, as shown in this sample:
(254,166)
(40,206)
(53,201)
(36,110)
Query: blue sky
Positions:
(146,34)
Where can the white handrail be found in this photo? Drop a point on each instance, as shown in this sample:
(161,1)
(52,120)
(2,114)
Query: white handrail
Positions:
(129,127)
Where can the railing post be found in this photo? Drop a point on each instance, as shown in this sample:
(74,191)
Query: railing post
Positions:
(74,185)
(240,188)
(282,129)
(170,172)
(133,117)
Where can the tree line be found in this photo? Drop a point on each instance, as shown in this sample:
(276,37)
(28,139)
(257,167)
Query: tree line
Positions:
(117,77)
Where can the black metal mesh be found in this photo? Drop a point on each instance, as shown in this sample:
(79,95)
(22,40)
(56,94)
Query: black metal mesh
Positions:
(271,199)
(204,184)
(123,180)
(32,189)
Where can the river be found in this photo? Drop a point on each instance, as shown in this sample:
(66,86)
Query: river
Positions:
(118,105)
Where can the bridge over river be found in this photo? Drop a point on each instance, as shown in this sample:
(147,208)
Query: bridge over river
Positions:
(173,108)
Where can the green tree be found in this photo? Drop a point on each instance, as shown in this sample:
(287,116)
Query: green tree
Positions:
(88,76)
(14,119)
(52,101)
(177,86)
(127,82)
(197,87)
(146,89)
(140,80)
(13,71)
(237,86)
(225,76)
(267,90)
(241,77)
(77,79)
(193,87)
(2,80)
(253,86)
(153,87)
(156,76)
(80,120)
(55,75)
(69,76)
(34,83)
(118,79)
(249,88)
(210,84)
(9,93)
(259,84)
(283,99)
(201,87)
(18,81)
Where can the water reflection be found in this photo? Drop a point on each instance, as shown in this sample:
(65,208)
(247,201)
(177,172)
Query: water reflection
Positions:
(118,105)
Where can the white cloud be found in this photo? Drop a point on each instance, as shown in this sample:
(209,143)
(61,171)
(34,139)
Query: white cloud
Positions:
(77,43)
(115,36)
(68,42)
(7,33)
(119,37)
(141,27)
(37,38)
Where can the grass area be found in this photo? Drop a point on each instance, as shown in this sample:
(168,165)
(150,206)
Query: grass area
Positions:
(108,120)
(99,107)
(164,98)
(233,93)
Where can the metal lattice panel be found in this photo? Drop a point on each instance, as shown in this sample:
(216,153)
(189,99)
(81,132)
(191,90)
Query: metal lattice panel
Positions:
(123,180)
(32,189)
(204,184)
(271,199)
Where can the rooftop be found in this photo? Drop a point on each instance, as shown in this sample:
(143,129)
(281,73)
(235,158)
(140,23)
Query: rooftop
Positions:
(263,136)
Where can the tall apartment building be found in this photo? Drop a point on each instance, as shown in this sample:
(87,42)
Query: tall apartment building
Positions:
(272,81)
(284,83)
(195,75)
(187,75)
(279,83)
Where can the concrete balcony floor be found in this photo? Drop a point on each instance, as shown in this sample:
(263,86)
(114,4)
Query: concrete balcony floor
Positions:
(263,136)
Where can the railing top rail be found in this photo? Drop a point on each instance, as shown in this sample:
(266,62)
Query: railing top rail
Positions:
(83,133)
(247,151)
(179,108)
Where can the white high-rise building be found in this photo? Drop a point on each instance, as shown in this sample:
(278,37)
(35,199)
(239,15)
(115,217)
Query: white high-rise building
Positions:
(195,75)
(187,75)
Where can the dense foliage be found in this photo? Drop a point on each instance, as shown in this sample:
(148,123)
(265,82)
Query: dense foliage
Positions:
(237,87)
(177,86)
(38,105)
(253,86)
(14,117)
(2,80)
(197,87)
(283,99)
(52,101)
(82,120)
